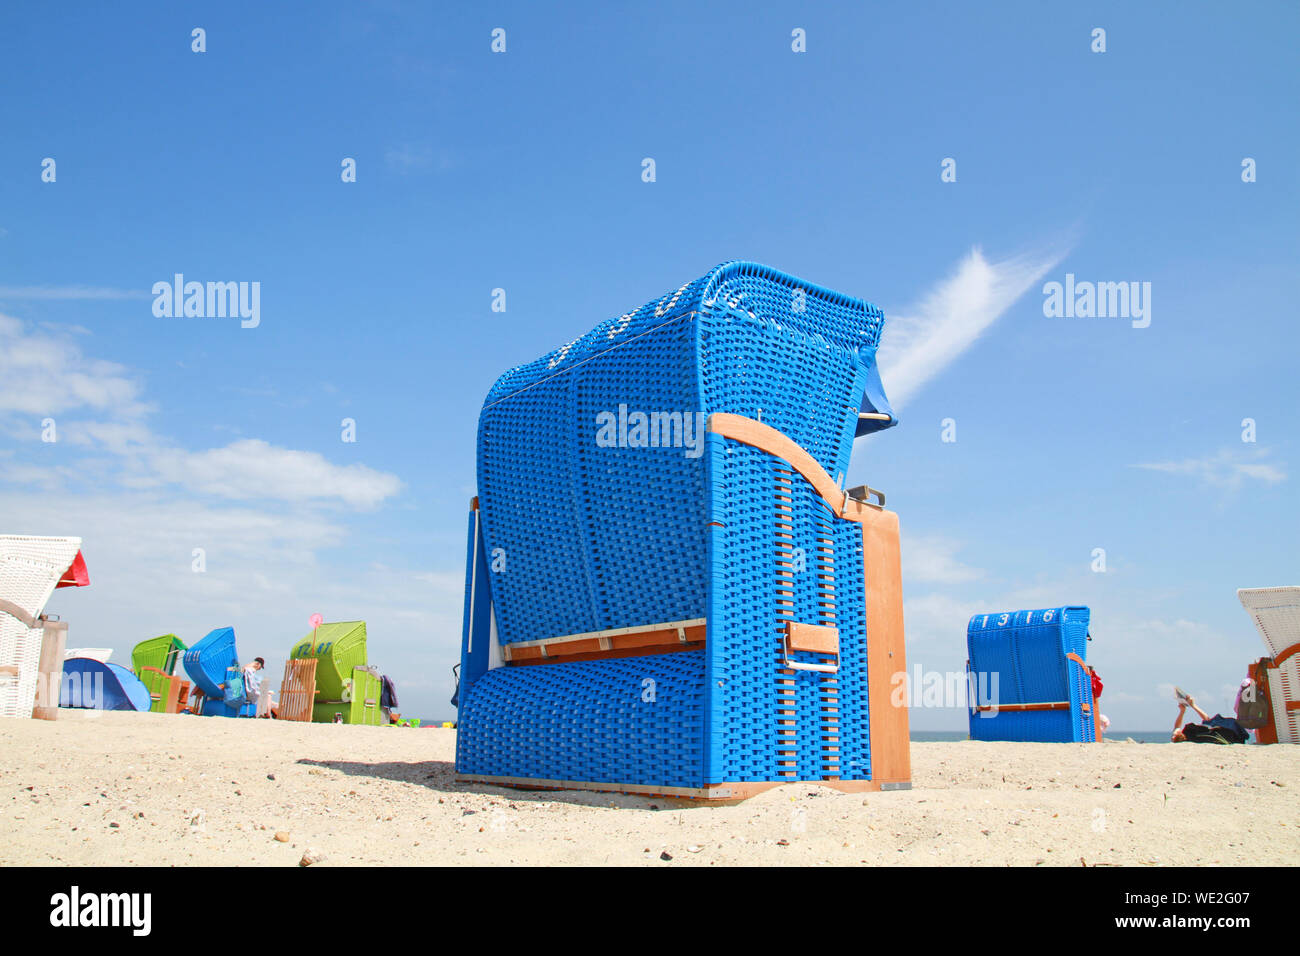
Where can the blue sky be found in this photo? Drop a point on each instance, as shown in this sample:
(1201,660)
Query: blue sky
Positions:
(522,171)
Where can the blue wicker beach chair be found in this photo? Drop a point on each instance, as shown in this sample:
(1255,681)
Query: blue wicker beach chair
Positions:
(1029,676)
(207,664)
(668,588)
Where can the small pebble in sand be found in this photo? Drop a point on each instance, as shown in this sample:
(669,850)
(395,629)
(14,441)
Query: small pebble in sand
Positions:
(665,855)
(281,837)
(311,856)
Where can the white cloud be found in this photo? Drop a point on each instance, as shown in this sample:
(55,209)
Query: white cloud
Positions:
(934,559)
(44,374)
(1228,469)
(48,374)
(252,469)
(919,342)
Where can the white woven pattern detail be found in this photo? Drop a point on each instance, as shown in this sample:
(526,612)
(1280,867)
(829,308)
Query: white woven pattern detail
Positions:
(29,570)
(1284,685)
(1276,613)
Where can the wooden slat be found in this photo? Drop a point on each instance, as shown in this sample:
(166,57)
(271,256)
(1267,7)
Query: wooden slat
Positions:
(298,690)
(815,638)
(768,439)
(1287,654)
(1018,708)
(616,642)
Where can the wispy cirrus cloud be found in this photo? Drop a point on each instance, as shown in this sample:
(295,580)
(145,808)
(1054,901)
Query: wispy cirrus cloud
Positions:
(1228,469)
(69,292)
(919,342)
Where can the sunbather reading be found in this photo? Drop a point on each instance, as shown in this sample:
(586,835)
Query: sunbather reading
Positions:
(1214,730)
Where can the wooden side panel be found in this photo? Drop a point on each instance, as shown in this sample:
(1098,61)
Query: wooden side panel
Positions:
(891,757)
(49,675)
(1258,672)
(298,690)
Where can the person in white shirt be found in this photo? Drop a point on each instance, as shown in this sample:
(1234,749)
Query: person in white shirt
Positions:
(253,678)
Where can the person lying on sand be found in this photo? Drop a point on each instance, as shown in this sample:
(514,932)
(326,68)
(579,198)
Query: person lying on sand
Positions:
(1215,730)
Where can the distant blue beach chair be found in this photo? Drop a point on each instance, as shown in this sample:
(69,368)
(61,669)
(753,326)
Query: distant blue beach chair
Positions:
(1029,676)
(668,587)
(207,664)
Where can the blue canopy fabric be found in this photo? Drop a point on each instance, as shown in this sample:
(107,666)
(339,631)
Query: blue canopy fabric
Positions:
(874,401)
(98,685)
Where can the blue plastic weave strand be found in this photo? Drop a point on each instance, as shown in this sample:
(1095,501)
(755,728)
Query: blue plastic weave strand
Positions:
(576,533)
(1019,657)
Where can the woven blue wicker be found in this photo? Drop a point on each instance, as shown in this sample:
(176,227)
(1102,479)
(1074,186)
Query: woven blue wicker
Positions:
(207,661)
(1019,657)
(604,504)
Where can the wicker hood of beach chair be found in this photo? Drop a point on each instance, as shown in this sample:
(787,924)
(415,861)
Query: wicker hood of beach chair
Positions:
(206,664)
(1276,613)
(30,570)
(668,588)
(1029,677)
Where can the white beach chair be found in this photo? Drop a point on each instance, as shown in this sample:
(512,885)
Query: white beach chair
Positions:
(101,654)
(1276,613)
(30,569)
(264,701)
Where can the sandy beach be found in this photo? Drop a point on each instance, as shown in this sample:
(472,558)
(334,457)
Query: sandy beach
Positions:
(154,789)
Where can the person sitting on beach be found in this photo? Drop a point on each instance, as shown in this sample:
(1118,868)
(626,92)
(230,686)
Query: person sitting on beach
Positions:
(253,679)
(1214,730)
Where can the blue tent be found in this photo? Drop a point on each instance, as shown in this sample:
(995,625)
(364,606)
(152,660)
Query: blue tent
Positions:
(98,685)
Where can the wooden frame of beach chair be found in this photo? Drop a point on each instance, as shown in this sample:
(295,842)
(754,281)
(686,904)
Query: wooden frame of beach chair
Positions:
(1276,615)
(31,568)
(1044,685)
(747,608)
(164,689)
(1258,672)
(297,690)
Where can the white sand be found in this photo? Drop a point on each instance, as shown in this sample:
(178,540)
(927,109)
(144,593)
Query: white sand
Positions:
(123,788)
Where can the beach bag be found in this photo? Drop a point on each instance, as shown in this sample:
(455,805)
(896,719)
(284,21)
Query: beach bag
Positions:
(1253,710)
(235,687)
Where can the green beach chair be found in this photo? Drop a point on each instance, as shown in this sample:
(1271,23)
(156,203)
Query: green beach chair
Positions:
(160,652)
(346,690)
(154,662)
